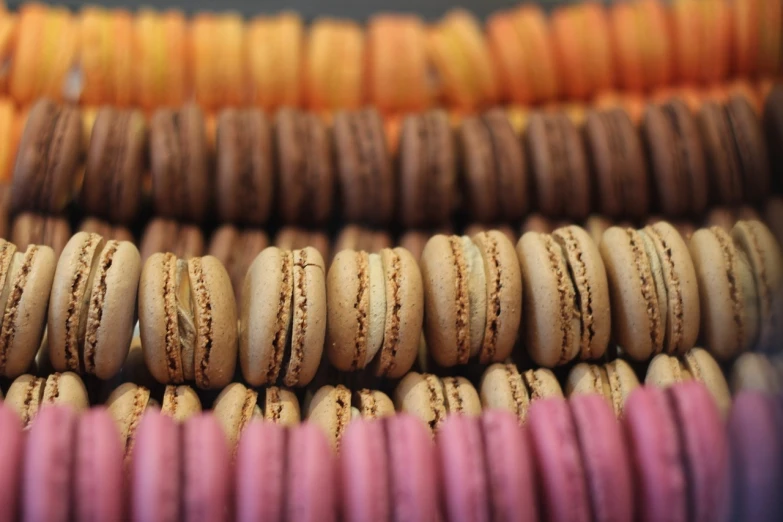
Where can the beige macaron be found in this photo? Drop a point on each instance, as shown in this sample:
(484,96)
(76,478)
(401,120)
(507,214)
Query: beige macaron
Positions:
(614,380)
(756,371)
(188,320)
(92,306)
(283,317)
(697,364)
(375,307)
(126,405)
(180,402)
(504,387)
(432,398)
(472,297)
(28,394)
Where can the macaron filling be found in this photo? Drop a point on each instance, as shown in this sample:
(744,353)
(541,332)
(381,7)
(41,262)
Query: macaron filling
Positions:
(18,267)
(477,293)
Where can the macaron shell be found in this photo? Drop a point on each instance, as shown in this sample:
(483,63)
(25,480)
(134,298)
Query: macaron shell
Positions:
(260,473)
(312,476)
(587,378)
(155,490)
(622,382)
(421,395)
(46,487)
(126,405)
(98,471)
(655,453)
(564,494)
(11,451)
(348,303)
(704,368)
(24,397)
(207,485)
(754,371)
(180,402)
(479,169)
(66,389)
(605,458)
(364,473)
(233,408)
(502,388)
(281,406)
(460,396)
(666,370)
(465,494)
(330,410)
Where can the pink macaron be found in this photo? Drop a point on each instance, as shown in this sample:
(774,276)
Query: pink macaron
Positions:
(206,470)
(260,473)
(155,477)
(311,481)
(11,447)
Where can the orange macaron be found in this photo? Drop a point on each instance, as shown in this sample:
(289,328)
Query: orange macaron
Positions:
(275,50)
(159,58)
(217,51)
(334,65)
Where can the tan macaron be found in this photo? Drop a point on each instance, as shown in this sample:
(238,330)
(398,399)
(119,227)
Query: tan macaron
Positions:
(126,405)
(283,317)
(188,320)
(472,297)
(432,398)
(375,306)
(28,394)
(180,402)
(614,380)
(504,387)
(755,371)
(92,305)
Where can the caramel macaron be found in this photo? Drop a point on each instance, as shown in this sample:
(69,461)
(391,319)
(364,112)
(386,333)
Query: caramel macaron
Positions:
(614,380)
(566,296)
(188,320)
(504,387)
(653,289)
(375,309)
(25,284)
(432,398)
(283,317)
(472,297)
(92,305)
(28,394)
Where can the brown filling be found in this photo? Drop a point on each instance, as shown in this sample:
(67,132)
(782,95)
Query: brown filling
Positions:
(735,291)
(204,332)
(8,330)
(391,338)
(282,317)
(647,287)
(361,306)
(97,300)
(462,327)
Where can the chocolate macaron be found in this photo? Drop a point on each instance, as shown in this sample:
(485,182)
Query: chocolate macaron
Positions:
(283,317)
(166,235)
(116,163)
(92,305)
(295,238)
(236,249)
(245,176)
(773,129)
(48,157)
(188,320)
(93,225)
(375,307)
(472,297)
(30,228)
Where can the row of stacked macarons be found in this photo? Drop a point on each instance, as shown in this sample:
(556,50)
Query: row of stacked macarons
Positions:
(560,296)
(294,169)
(397,63)
(672,456)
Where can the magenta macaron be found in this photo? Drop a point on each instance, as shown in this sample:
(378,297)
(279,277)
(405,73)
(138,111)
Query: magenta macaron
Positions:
(206,470)
(11,446)
(155,470)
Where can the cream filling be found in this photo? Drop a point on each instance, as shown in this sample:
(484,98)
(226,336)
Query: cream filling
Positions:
(377,308)
(477,294)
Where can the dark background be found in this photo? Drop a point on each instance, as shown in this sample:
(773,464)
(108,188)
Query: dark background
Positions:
(356,9)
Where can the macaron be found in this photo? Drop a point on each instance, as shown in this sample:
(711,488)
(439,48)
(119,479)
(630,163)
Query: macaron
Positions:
(566,296)
(432,398)
(109,231)
(486,469)
(180,402)
(727,217)
(472,297)
(311,473)
(653,288)
(736,151)
(115,166)
(29,395)
(295,238)
(427,160)
(95,285)
(697,364)
(617,160)
(370,404)
(305,185)
(260,473)
(244,182)
(756,456)
(357,237)
(29,228)
(414,240)
(26,281)
(773,217)
(236,249)
(188,320)
(558,165)
(330,410)
(165,235)
(127,404)
(206,470)
(49,155)
(756,372)
(504,387)
(494,168)
(375,309)
(677,164)
(773,130)
(283,317)
(614,380)
(11,451)
(389,470)
(179,163)
(475,228)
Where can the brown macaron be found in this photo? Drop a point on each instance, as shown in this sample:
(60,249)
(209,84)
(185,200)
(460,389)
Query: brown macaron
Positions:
(188,320)
(375,307)
(295,238)
(283,317)
(93,225)
(92,305)
(305,168)
(735,150)
(472,297)
(236,249)
(614,380)
(566,296)
(39,229)
(116,164)
(618,164)
(364,167)
(179,163)
(494,168)
(165,235)
(428,169)
(355,237)
(504,387)
(25,284)
(773,217)
(653,289)
(245,176)
(773,129)
(432,398)
(677,165)
(48,158)
(559,167)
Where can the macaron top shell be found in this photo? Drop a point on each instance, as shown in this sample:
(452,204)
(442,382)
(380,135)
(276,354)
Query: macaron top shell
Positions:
(312,476)
(206,458)
(155,490)
(364,473)
(99,473)
(260,473)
